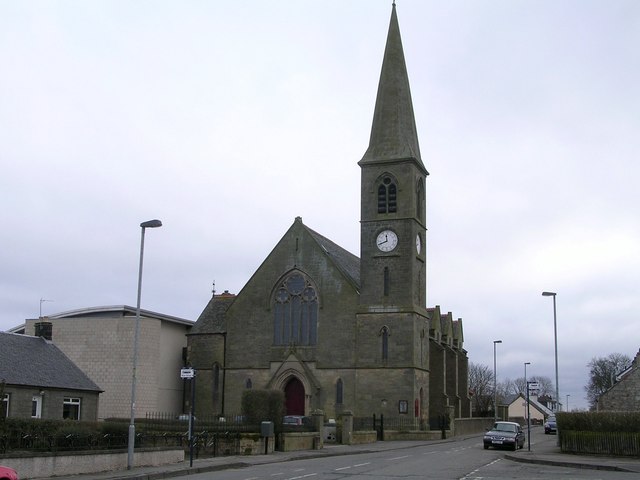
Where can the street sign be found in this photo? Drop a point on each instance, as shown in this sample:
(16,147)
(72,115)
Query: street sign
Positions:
(187,373)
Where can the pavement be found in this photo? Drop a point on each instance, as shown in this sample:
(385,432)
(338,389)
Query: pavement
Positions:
(544,451)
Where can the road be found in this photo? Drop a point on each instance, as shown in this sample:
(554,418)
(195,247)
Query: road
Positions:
(460,460)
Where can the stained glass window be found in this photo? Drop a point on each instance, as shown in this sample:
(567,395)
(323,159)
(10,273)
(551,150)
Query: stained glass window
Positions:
(295,312)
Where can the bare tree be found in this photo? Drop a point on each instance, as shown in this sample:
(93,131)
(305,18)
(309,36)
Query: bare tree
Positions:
(602,372)
(545,386)
(481,389)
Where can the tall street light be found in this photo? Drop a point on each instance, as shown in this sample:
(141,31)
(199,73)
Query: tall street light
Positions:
(526,385)
(568,395)
(132,426)
(495,382)
(555,341)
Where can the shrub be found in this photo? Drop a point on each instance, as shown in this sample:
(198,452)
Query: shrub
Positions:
(599,421)
(263,405)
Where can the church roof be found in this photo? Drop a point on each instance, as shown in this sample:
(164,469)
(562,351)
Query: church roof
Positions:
(344,260)
(393,132)
(212,318)
(35,362)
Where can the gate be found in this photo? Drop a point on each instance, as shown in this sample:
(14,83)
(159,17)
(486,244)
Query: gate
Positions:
(378,426)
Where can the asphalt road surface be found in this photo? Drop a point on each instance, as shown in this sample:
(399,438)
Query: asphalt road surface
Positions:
(460,460)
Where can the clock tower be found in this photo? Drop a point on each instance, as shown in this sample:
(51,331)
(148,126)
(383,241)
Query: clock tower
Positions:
(392,350)
(392,232)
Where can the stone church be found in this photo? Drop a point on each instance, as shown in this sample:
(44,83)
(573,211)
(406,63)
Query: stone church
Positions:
(336,332)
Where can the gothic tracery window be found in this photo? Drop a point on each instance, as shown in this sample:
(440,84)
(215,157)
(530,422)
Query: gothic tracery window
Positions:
(295,312)
(387,196)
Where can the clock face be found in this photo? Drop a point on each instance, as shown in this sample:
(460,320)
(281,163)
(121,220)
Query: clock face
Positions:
(418,243)
(387,240)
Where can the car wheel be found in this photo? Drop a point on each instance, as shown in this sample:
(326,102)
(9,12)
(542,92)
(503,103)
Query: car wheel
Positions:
(486,447)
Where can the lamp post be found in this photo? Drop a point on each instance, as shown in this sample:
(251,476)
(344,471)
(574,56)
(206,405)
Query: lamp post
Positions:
(132,427)
(526,385)
(495,382)
(555,341)
(568,395)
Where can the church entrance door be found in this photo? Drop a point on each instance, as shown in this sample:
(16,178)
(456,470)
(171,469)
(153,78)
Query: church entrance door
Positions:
(294,397)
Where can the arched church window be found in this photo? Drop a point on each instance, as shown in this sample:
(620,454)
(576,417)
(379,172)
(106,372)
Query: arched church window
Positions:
(419,199)
(385,280)
(387,196)
(339,392)
(384,333)
(216,387)
(248,384)
(295,312)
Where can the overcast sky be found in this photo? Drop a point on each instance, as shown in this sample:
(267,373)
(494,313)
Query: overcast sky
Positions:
(228,119)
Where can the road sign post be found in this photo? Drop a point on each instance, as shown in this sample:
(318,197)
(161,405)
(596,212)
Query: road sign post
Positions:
(190,374)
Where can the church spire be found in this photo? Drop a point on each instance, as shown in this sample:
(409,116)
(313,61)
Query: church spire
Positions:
(393,133)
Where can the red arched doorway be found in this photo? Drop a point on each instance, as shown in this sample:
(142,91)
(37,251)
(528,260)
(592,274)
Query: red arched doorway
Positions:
(294,397)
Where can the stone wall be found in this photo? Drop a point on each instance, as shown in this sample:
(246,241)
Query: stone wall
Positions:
(624,395)
(75,463)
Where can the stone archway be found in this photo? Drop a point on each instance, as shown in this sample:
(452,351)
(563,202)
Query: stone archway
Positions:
(294,397)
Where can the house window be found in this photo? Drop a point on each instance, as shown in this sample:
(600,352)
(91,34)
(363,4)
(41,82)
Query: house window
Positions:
(295,312)
(4,408)
(71,408)
(36,406)
(387,196)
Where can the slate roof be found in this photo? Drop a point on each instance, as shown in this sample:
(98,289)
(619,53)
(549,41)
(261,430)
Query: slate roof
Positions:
(346,261)
(213,317)
(36,362)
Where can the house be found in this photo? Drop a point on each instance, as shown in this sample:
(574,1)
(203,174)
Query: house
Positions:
(99,340)
(516,407)
(548,402)
(37,380)
(624,395)
(334,331)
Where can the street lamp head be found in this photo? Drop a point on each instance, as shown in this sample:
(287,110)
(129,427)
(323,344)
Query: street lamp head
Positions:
(151,224)
(527,363)
(548,294)
(497,341)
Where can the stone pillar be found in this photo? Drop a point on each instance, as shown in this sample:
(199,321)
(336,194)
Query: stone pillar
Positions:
(346,437)
(318,423)
(450,409)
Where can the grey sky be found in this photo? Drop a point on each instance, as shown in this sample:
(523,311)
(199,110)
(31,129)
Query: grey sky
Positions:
(226,120)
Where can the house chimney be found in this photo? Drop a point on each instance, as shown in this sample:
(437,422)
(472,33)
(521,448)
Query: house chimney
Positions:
(44,328)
